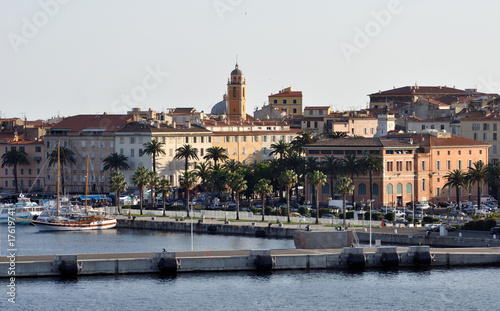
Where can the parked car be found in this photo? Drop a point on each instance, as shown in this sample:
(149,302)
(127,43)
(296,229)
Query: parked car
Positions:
(495,230)
(331,216)
(295,214)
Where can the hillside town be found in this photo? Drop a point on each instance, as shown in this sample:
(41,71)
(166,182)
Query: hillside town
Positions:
(402,149)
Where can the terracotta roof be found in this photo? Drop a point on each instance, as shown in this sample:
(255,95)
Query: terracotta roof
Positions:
(287,94)
(416,119)
(144,128)
(420,90)
(109,122)
(361,142)
(429,140)
(317,108)
(489,116)
(184,110)
(253,133)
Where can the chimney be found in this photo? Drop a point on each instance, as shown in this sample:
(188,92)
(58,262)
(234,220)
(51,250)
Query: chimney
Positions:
(173,124)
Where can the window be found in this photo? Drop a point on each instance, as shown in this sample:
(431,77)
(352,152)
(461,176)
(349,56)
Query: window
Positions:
(132,153)
(399,189)
(121,150)
(438,165)
(92,144)
(29,171)
(438,191)
(294,101)
(362,189)
(423,184)
(469,164)
(389,166)
(201,151)
(275,101)
(235,151)
(475,126)
(294,110)
(83,143)
(218,139)
(227,151)
(438,153)
(422,166)
(389,189)
(485,136)
(132,140)
(234,92)
(459,164)
(121,140)
(140,152)
(494,136)
(485,126)
(494,126)
(375,189)
(22,171)
(244,150)
(264,150)
(408,165)
(448,165)
(284,101)
(408,188)
(264,139)
(6,171)
(244,139)
(399,166)
(227,139)
(495,149)
(475,136)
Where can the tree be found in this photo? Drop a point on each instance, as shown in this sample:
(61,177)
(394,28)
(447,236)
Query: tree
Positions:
(332,167)
(336,135)
(455,178)
(140,179)
(186,152)
(317,179)
(232,165)
(165,188)
(352,166)
(280,148)
(477,174)
(345,186)
(154,149)
(117,184)
(153,180)
(202,171)
(13,158)
(115,162)
(237,183)
(263,188)
(493,176)
(372,163)
(311,165)
(303,138)
(66,157)
(288,180)
(187,181)
(216,154)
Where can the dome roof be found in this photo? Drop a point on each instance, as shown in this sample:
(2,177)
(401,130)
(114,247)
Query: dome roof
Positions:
(219,108)
(236,71)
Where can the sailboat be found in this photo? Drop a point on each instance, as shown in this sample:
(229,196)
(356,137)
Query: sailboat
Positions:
(71,219)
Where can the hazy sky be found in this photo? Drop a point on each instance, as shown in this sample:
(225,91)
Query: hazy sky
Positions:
(76,57)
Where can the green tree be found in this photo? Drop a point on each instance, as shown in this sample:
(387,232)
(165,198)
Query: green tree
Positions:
(303,138)
(477,175)
(165,188)
(311,165)
(13,158)
(237,184)
(372,163)
(353,166)
(232,165)
(288,180)
(493,177)
(154,149)
(216,154)
(140,180)
(186,152)
(263,188)
(187,181)
(344,186)
(115,162)
(66,157)
(202,171)
(117,184)
(153,180)
(455,178)
(336,135)
(317,179)
(332,167)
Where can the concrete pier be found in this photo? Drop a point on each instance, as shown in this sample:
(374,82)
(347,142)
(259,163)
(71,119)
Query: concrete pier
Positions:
(206,261)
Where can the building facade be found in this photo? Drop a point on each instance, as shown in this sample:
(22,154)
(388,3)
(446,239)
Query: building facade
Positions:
(288,101)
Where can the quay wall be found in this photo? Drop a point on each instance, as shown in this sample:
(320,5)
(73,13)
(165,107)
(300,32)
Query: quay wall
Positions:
(346,258)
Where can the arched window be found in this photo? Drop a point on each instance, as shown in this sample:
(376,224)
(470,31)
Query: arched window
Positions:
(243,92)
(362,189)
(408,188)
(389,189)
(375,189)
(234,92)
(399,189)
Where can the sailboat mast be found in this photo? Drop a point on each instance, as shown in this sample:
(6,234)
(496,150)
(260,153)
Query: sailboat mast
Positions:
(58,172)
(86,184)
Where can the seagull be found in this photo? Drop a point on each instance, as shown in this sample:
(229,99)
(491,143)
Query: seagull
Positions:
(164,250)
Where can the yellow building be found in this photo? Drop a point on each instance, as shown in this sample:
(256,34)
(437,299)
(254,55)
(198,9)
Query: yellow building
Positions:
(288,101)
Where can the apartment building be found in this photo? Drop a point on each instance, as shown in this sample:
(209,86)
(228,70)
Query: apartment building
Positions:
(288,101)
(484,128)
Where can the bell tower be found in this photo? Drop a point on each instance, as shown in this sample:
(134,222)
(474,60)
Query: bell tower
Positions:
(236,100)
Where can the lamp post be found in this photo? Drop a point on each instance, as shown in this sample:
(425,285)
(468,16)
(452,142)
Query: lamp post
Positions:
(370,203)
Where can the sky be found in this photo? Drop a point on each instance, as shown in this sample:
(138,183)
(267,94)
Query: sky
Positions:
(62,57)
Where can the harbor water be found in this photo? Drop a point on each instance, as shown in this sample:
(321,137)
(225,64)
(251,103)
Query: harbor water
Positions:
(436,289)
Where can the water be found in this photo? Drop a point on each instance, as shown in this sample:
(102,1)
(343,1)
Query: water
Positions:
(407,289)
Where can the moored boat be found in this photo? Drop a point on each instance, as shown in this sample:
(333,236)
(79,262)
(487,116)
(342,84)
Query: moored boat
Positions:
(22,211)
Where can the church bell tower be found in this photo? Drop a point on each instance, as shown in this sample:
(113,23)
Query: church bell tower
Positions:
(236,102)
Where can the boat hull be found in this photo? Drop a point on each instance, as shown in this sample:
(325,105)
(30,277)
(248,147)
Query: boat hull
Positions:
(57,226)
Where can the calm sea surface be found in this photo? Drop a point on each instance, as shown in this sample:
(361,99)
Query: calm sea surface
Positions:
(437,289)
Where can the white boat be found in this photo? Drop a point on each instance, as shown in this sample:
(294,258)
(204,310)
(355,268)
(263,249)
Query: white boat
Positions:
(70,218)
(22,211)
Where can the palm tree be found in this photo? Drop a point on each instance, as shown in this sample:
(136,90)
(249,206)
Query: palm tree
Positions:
(237,183)
(263,188)
(317,179)
(154,149)
(311,165)
(117,184)
(345,186)
(372,164)
(202,171)
(66,157)
(13,158)
(477,174)
(140,179)
(165,188)
(455,178)
(288,180)
(336,135)
(115,161)
(186,152)
(352,166)
(493,176)
(332,167)
(216,154)
(303,138)
(187,181)
(232,165)
(280,148)
(153,180)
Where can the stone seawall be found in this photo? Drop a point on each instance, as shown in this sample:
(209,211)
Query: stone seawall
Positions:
(433,241)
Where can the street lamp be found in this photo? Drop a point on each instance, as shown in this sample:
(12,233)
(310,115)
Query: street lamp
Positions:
(370,203)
